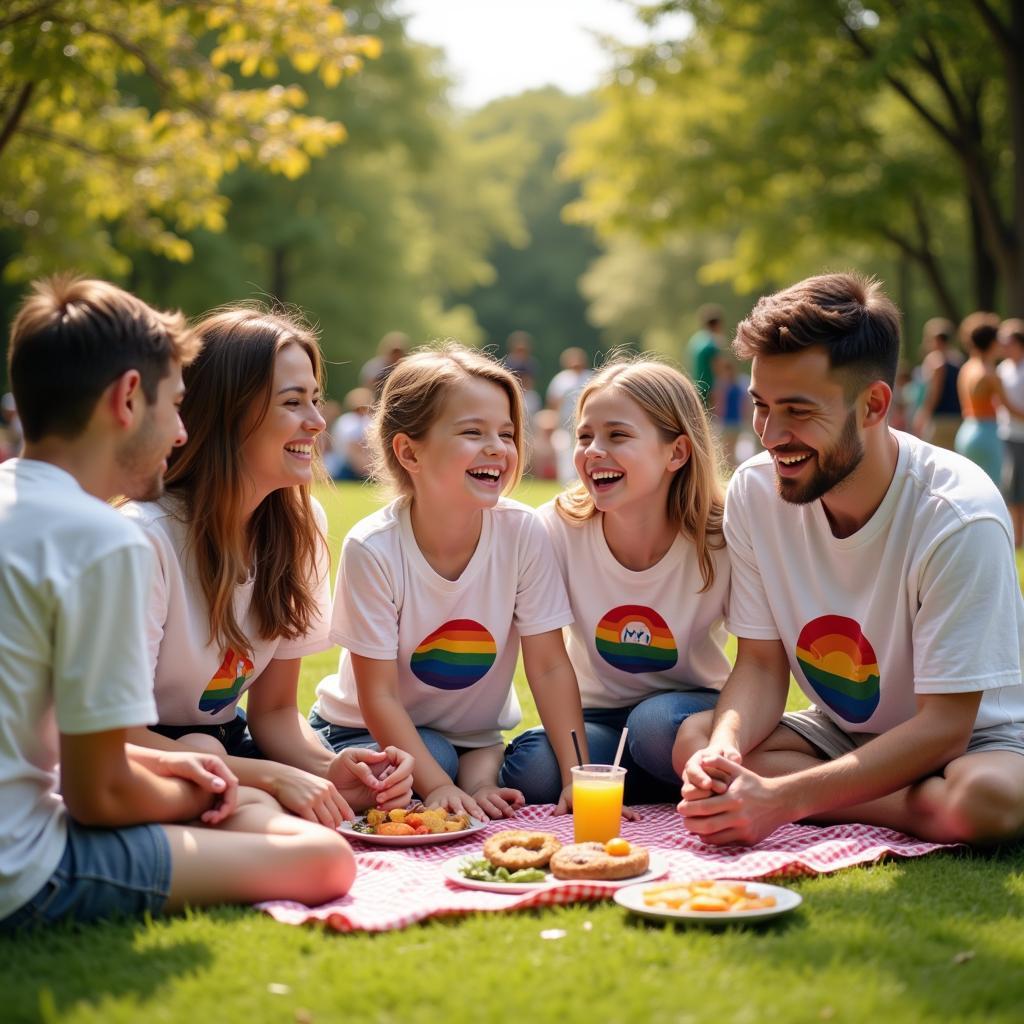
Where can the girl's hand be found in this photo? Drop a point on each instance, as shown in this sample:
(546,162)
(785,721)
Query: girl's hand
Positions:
(455,800)
(373,778)
(309,796)
(499,801)
(564,805)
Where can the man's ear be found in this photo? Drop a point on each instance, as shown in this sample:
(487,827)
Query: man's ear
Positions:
(877,397)
(682,449)
(124,397)
(406,450)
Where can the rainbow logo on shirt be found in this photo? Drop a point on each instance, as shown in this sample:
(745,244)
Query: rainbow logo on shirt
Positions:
(635,639)
(456,655)
(840,666)
(227,683)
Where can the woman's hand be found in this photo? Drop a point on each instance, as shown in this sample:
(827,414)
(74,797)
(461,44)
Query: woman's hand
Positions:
(206,771)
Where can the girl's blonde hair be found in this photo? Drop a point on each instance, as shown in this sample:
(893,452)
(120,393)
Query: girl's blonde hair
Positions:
(227,396)
(696,498)
(412,399)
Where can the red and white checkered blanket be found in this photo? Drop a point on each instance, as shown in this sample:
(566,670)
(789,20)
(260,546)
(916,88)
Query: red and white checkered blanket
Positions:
(396,887)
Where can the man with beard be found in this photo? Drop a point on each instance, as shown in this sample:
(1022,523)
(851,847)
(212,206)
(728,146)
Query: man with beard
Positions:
(96,375)
(884,580)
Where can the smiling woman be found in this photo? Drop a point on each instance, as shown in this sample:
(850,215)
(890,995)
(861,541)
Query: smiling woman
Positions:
(243,591)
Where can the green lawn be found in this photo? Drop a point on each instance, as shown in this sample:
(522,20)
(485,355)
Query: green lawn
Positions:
(939,939)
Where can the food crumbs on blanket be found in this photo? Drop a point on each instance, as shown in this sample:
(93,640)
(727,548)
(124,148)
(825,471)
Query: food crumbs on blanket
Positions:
(275,988)
(552,933)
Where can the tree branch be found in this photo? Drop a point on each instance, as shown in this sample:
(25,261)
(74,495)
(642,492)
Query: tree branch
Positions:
(30,12)
(58,139)
(10,125)
(868,51)
(997,28)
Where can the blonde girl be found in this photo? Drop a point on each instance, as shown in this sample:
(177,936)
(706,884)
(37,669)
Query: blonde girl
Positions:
(639,543)
(436,591)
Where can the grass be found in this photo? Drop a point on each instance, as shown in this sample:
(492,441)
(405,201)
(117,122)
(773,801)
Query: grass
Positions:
(938,939)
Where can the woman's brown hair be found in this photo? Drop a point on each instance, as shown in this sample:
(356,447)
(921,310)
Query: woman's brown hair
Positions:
(228,393)
(696,498)
(414,394)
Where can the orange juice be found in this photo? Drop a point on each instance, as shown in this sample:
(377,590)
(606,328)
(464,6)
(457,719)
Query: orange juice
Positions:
(597,802)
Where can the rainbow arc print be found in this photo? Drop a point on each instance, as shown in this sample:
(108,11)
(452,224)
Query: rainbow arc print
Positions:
(227,683)
(840,665)
(634,638)
(455,656)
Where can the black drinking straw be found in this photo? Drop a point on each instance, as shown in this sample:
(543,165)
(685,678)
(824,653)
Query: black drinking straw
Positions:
(576,744)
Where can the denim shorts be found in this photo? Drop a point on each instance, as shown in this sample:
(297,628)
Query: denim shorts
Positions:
(115,872)
(234,736)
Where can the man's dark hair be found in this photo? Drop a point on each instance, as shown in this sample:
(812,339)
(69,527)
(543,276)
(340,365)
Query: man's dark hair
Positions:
(72,337)
(847,314)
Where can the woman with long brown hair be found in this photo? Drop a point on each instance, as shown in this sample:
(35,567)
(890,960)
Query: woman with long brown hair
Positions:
(242,591)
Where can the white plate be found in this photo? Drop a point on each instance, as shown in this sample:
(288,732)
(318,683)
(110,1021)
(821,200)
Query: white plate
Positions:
(345,828)
(657,868)
(632,898)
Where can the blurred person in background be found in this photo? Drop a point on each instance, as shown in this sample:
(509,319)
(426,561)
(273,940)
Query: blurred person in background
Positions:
(981,392)
(562,393)
(704,347)
(10,428)
(348,437)
(731,409)
(1011,427)
(543,457)
(391,349)
(520,360)
(938,418)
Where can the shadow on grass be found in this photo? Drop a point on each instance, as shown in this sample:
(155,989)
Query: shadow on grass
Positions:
(43,973)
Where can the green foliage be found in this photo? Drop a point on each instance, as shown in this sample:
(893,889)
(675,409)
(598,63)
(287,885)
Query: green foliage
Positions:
(119,119)
(536,276)
(377,233)
(809,133)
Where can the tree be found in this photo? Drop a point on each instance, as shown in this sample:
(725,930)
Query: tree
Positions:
(807,123)
(119,120)
(536,278)
(381,232)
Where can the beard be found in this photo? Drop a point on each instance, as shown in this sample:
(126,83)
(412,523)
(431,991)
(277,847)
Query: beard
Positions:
(140,461)
(834,465)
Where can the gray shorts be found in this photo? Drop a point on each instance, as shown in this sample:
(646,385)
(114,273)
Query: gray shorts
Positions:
(104,872)
(822,733)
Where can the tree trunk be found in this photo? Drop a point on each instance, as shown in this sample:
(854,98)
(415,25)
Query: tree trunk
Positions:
(983,269)
(1015,100)
(279,273)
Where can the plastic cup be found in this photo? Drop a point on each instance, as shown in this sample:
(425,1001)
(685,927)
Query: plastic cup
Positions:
(597,802)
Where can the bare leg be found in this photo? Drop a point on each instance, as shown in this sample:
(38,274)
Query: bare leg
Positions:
(479,767)
(979,798)
(260,853)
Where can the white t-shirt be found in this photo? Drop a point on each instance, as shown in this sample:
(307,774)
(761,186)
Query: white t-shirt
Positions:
(1012,375)
(348,429)
(636,634)
(73,583)
(455,641)
(922,599)
(198,682)
(563,391)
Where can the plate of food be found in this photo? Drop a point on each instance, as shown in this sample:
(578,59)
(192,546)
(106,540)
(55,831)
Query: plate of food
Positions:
(411,826)
(709,901)
(519,861)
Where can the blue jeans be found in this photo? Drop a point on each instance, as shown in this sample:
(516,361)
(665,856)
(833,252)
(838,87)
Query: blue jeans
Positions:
(338,737)
(234,736)
(530,764)
(103,873)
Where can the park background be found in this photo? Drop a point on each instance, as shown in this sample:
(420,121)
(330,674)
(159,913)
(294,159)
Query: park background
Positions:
(201,152)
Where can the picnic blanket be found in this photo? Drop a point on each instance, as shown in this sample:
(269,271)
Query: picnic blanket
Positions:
(397,887)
